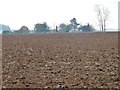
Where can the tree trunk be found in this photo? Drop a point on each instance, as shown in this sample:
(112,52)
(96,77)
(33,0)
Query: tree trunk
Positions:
(104,26)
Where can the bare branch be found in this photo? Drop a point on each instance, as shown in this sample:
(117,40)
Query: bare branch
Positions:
(102,15)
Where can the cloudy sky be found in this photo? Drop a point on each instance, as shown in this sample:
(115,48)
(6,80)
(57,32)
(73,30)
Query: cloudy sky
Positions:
(16,13)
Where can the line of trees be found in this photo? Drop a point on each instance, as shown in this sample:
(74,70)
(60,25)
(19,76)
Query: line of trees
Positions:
(43,27)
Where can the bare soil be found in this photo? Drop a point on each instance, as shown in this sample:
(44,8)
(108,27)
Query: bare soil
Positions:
(73,60)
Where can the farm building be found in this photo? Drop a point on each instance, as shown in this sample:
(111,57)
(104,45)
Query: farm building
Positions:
(4,28)
(87,28)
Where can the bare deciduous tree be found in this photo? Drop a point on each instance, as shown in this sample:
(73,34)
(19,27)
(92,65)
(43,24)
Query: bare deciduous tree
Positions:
(102,15)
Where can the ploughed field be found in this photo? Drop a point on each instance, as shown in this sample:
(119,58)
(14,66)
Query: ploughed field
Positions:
(73,60)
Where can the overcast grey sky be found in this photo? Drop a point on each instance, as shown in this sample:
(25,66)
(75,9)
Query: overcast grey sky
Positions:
(16,13)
